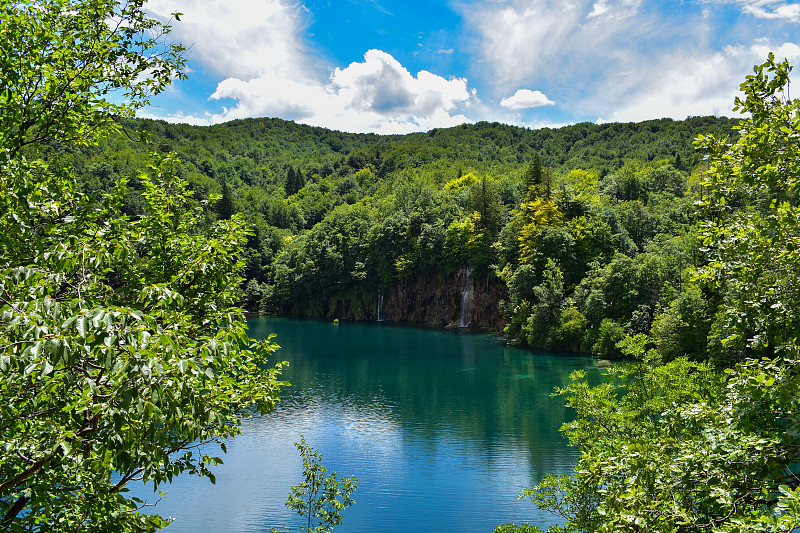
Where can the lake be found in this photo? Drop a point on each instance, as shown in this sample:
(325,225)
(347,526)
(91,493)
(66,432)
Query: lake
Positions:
(442,429)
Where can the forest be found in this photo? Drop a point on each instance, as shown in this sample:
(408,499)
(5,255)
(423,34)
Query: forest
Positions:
(130,249)
(567,221)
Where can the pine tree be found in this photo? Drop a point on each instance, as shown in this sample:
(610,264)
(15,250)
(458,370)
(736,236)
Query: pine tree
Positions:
(532,177)
(294,181)
(225,208)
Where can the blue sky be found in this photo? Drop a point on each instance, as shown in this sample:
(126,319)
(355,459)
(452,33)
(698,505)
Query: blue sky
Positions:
(396,66)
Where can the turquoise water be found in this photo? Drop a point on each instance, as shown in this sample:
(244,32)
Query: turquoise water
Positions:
(441,429)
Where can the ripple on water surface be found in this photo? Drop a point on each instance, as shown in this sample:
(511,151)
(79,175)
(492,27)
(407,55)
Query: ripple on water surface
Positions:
(441,430)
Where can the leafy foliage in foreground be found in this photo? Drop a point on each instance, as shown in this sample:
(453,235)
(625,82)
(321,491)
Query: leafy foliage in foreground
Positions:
(120,351)
(682,446)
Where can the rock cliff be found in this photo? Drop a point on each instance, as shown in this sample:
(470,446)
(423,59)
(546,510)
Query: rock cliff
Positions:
(458,300)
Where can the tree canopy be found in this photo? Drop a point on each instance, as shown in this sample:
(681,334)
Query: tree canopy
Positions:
(680,445)
(120,349)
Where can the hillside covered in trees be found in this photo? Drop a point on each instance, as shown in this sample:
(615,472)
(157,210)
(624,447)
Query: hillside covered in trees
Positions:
(585,233)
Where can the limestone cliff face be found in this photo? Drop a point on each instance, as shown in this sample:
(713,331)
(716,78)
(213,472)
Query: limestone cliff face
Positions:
(459,300)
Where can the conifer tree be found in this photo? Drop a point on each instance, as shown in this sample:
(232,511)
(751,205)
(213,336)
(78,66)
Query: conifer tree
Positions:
(532,177)
(224,206)
(294,181)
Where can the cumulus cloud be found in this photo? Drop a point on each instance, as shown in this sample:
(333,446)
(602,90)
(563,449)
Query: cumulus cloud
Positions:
(525,99)
(256,46)
(242,39)
(377,95)
(382,85)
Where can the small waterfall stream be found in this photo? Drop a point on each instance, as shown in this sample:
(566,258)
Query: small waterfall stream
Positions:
(380,304)
(466,302)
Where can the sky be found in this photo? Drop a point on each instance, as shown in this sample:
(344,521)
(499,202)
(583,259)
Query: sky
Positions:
(399,66)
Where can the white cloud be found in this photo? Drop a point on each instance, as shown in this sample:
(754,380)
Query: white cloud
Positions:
(517,40)
(626,60)
(599,7)
(619,9)
(772,10)
(523,40)
(377,95)
(258,48)
(525,99)
(766,9)
(382,85)
(683,86)
(242,39)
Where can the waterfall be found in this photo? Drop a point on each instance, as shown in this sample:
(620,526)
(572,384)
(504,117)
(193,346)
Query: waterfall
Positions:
(466,302)
(380,304)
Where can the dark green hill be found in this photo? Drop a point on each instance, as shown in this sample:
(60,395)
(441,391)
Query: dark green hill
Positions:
(274,144)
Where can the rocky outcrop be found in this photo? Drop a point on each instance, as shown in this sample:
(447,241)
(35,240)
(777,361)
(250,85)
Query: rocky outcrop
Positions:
(432,301)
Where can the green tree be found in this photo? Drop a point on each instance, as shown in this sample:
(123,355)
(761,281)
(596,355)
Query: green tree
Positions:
(120,351)
(679,447)
(684,446)
(532,178)
(224,205)
(609,333)
(754,250)
(538,180)
(535,215)
(682,327)
(320,498)
(485,200)
(570,330)
(70,67)
(546,304)
(294,181)
(466,243)
(546,187)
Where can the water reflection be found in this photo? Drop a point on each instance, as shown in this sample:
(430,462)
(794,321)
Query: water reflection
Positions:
(441,429)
